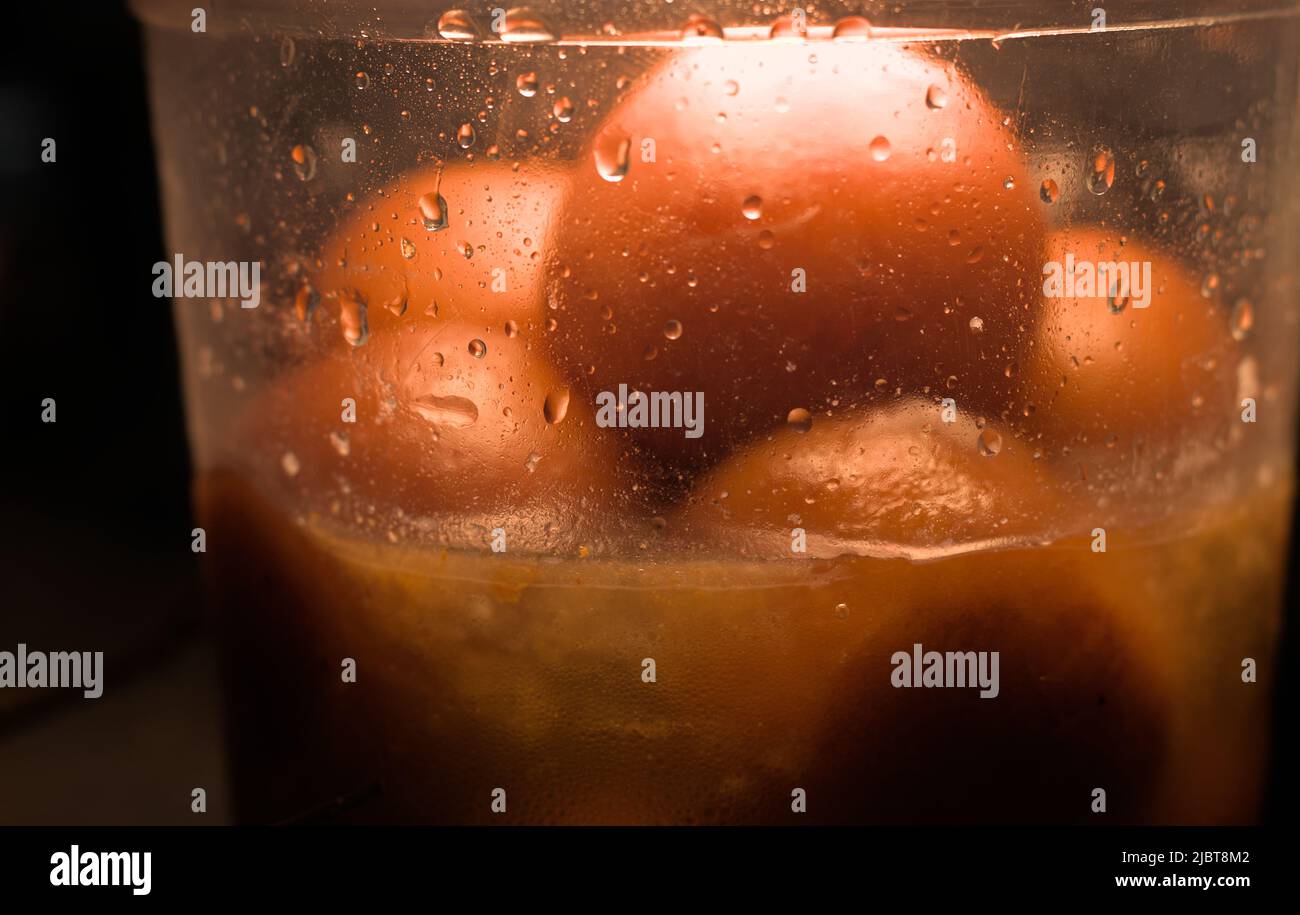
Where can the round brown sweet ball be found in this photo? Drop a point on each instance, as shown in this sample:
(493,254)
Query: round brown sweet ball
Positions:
(898,480)
(1116,382)
(794,227)
(424,393)
(464,241)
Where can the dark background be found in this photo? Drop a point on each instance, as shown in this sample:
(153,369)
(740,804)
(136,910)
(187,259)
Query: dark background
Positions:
(95,543)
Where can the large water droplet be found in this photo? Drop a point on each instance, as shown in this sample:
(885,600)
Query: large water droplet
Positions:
(305,302)
(523,26)
(880,149)
(304,162)
(457,25)
(465,135)
(852,28)
(799,419)
(1243,319)
(563,109)
(477,348)
(935,97)
(556,405)
(408,248)
(673,329)
(1101,173)
(990,443)
(1049,191)
(789,28)
(701,29)
(433,211)
(752,207)
(453,412)
(613,154)
(352,318)
(526,83)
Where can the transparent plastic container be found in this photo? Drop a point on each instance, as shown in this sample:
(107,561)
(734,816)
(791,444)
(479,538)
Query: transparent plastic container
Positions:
(899,397)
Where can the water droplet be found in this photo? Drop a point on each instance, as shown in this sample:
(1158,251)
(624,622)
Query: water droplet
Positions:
(477,348)
(1049,191)
(1209,284)
(363,79)
(766,239)
(731,87)
(465,135)
(990,443)
(452,412)
(523,26)
(788,28)
(977,325)
(457,25)
(700,28)
(512,329)
(563,109)
(673,329)
(408,248)
(935,97)
(556,405)
(287,51)
(880,149)
(433,211)
(305,302)
(852,28)
(1101,174)
(304,162)
(437,360)
(289,464)
(352,317)
(531,462)
(1009,183)
(526,83)
(841,611)
(799,419)
(752,207)
(1243,319)
(612,155)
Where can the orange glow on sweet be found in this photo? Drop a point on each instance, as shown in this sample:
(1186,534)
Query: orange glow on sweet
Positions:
(805,232)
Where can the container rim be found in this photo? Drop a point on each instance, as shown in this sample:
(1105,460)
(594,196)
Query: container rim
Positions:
(588,22)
